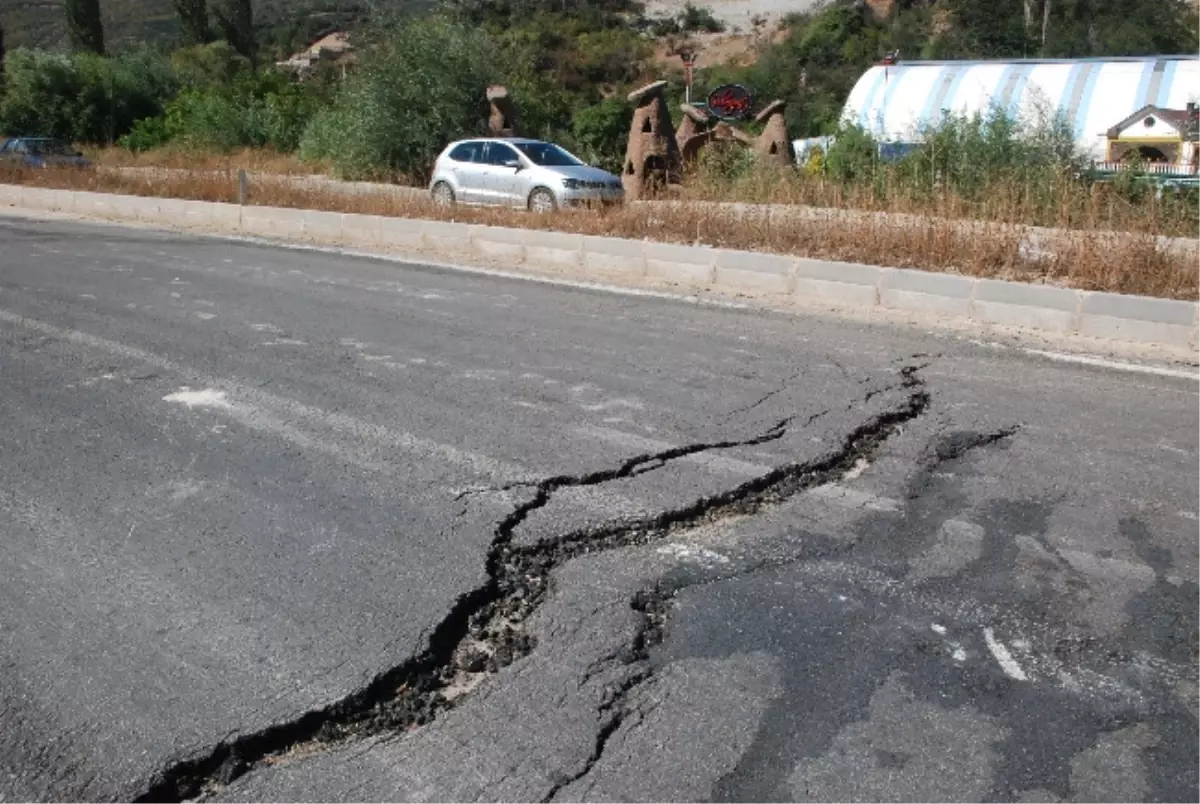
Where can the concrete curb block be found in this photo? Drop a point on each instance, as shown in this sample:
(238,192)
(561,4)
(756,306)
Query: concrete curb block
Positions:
(914,291)
(553,249)
(754,273)
(815,283)
(688,265)
(1138,319)
(612,255)
(1038,307)
(498,243)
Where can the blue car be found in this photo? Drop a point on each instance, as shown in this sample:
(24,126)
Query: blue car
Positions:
(39,152)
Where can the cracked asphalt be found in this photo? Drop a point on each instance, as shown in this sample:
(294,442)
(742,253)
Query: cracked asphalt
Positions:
(282,525)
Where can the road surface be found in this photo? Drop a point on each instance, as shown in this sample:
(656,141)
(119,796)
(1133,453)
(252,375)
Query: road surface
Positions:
(290,525)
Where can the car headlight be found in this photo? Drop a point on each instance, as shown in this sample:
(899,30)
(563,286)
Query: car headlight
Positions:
(572,184)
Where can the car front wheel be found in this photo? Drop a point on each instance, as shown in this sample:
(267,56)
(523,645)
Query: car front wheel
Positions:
(541,201)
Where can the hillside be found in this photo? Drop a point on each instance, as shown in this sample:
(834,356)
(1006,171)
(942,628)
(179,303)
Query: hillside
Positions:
(283,25)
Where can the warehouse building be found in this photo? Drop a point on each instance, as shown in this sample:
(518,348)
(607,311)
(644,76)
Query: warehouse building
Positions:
(1099,99)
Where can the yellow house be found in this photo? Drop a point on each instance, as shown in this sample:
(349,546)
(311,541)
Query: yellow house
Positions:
(1167,137)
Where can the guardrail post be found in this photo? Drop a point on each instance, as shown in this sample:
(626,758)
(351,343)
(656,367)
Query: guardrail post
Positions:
(243,187)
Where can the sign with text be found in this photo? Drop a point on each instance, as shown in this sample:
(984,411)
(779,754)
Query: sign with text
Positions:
(731,102)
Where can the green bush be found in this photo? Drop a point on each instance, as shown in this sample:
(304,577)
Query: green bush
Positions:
(422,86)
(82,97)
(853,156)
(973,153)
(255,110)
(600,132)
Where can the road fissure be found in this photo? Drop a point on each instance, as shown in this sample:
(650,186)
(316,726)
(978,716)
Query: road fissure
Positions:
(484,630)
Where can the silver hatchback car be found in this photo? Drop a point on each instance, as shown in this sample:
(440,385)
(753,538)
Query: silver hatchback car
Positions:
(537,175)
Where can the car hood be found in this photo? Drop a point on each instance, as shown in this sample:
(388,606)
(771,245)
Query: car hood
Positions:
(583,172)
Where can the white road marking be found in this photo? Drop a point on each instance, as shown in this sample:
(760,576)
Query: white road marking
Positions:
(206,398)
(206,316)
(1118,365)
(959,654)
(268,412)
(938,629)
(1007,663)
(285,342)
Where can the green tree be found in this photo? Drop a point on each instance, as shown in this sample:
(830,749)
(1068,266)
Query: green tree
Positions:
(423,86)
(85,30)
(600,131)
(82,97)
(235,19)
(193,22)
(1,60)
(205,65)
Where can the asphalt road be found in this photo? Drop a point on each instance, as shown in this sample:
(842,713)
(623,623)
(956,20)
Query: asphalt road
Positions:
(289,525)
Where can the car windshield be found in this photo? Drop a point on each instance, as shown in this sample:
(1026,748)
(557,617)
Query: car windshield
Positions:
(49,148)
(547,154)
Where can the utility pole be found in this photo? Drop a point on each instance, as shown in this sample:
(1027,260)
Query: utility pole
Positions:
(689,63)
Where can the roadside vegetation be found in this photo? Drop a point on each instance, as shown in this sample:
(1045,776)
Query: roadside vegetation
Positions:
(214,101)
(1116,261)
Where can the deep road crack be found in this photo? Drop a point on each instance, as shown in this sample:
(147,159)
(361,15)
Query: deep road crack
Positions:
(483,631)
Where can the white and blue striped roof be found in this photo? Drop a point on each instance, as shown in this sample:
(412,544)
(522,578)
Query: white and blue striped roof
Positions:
(896,102)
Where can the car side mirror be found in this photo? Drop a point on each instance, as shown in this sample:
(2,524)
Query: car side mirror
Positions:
(513,163)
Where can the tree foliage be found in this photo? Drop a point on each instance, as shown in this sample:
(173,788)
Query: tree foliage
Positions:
(253,110)
(423,86)
(1064,28)
(235,21)
(85,29)
(193,22)
(82,97)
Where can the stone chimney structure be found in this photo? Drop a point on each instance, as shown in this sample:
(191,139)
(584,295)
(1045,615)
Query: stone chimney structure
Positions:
(502,119)
(773,145)
(652,159)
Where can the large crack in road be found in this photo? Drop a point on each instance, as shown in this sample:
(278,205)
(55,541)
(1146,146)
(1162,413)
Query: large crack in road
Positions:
(483,631)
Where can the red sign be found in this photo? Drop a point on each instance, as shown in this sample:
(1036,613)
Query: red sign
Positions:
(731,102)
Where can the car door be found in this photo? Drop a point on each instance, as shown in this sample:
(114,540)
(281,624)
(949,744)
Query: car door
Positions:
(466,162)
(505,180)
(10,154)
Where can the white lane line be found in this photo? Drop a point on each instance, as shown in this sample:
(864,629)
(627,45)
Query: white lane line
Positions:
(206,398)
(1117,365)
(274,410)
(1007,663)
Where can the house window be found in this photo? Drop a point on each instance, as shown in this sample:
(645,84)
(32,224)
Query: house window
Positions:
(1149,121)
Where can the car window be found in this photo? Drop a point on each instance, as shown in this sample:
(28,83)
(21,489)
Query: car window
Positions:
(7,147)
(498,153)
(468,152)
(19,147)
(547,154)
(50,148)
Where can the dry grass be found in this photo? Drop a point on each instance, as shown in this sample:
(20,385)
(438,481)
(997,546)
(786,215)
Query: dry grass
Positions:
(1123,262)
(1059,202)
(250,159)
